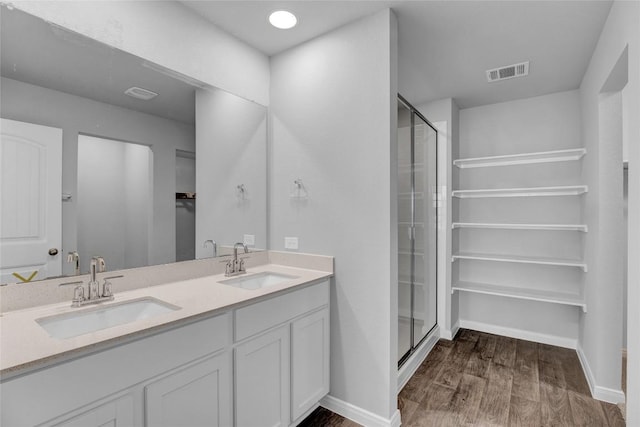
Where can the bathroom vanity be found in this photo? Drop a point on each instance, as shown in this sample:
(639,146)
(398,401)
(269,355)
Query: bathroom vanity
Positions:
(222,355)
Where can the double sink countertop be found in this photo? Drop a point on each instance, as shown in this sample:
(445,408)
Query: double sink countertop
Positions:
(25,345)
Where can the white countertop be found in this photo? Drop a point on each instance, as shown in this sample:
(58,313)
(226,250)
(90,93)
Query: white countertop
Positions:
(25,345)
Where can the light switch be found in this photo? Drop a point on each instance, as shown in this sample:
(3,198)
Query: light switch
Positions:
(249,239)
(291,243)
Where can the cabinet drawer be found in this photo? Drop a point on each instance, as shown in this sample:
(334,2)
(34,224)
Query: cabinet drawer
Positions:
(266,314)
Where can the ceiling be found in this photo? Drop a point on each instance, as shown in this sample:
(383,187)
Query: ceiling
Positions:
(445,47)
(37,53)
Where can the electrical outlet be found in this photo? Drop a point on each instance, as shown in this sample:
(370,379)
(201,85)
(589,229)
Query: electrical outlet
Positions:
(291,243)
(249,239)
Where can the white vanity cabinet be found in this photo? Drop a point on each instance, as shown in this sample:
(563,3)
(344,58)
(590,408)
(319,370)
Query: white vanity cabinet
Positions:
(282,357)
(267,360)
(112,385)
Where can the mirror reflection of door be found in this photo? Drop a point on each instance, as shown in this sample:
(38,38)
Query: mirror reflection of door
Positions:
(31,194)
(114,198)
(185,206)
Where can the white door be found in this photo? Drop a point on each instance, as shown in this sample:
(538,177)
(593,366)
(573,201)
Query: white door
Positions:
(196,396)
(30,201)
(117,413)
(309,361)
(262,380)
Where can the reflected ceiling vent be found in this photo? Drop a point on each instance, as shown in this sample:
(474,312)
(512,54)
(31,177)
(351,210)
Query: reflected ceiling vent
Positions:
(139,93)
(508,72)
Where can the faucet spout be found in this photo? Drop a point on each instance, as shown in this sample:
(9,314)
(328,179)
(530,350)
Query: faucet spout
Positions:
(97,265)
(235,249)
(75,258)
(213,244)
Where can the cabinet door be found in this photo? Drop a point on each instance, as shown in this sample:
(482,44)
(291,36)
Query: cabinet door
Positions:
(309,361)
(262,380)
(199,395)
(118,412)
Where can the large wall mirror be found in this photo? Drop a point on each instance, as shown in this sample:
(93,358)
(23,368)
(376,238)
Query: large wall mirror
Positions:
(106,154)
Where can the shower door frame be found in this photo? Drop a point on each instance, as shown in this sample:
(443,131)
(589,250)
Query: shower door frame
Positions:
(412,348)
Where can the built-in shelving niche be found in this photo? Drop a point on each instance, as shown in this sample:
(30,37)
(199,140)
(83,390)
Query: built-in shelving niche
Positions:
(556,296)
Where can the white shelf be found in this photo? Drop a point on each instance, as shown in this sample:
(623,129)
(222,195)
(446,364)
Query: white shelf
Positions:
(527,294)
(571,190)
(550,227)
(521,260)
(522,159)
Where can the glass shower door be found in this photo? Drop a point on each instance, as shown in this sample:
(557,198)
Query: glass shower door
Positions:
(425,242)
(405,212)
(417,242)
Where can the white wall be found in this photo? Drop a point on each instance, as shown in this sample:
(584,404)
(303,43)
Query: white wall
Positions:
(75,115)
(168,34)
(114,202)
(601,328)
(231,142)
(333,120)
(544,123)
(445,111)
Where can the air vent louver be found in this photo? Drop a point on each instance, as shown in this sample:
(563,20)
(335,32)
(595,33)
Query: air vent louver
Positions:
(139,93)
(508,72)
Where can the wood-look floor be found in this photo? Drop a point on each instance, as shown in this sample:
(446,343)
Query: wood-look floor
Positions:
(481,379)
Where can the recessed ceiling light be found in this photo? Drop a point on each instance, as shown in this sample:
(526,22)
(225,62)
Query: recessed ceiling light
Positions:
(283,19)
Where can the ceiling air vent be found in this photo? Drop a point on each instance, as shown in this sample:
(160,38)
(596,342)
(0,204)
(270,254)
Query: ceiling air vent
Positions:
(508,72)
(139,93)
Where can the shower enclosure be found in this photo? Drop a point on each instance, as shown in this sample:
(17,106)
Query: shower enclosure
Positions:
(417,227)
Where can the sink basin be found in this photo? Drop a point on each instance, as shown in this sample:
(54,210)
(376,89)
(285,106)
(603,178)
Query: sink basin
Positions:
(72,324)
(258,280)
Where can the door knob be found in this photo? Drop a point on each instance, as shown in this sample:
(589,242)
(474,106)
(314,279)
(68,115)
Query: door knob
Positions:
(53,251)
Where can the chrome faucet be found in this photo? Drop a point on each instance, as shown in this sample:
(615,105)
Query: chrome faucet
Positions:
(97,266)
(93,295)
(235,266)
(214,244)
(74,257)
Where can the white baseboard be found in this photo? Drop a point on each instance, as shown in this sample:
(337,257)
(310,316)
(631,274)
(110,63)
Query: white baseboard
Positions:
(520,334)
(413,363)
(601,393)
(359,415)
(450,334)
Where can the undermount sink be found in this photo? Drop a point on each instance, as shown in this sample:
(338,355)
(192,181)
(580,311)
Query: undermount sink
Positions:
(72,324)
(258,280)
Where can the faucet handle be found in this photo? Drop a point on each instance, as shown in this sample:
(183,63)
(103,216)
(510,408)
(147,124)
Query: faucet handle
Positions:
(229,267)
(106,286)
(78,292)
